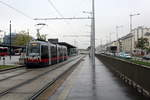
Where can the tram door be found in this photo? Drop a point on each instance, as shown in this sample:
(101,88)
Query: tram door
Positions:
(44,54)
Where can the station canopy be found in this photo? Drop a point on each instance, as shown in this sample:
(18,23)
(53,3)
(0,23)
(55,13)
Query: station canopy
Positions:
(67,45)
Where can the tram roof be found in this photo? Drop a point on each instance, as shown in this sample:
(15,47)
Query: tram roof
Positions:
(66,44)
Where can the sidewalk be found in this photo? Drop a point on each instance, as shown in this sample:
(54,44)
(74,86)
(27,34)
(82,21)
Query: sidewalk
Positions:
(87,83)
(13,61)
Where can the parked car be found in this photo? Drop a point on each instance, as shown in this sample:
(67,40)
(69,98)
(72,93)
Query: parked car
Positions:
(146,57)
(124,55)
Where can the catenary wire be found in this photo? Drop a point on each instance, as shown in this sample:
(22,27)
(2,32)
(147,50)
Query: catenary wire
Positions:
(51,3)
(16,10)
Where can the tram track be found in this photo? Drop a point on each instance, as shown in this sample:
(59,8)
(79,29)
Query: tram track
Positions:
(15,75)
(8,90)
(58,78)
(4,73)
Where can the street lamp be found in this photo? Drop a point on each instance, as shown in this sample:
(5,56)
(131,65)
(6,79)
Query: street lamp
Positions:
(88,12)
(10,39)
(40,24)
(131,15)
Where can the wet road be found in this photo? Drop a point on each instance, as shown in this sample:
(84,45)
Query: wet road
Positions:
(87,83)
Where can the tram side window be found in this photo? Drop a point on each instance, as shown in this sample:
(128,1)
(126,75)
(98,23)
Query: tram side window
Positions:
(60,52)
(53,51)
(44,51)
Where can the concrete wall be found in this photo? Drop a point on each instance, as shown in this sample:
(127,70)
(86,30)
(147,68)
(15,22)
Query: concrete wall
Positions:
(135,75)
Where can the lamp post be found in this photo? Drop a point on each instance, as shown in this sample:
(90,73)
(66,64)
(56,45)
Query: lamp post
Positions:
(131,15)
(10,40)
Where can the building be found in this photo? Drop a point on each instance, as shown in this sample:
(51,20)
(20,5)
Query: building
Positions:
(104,48)
(6,39)
(128,42)
(140,32)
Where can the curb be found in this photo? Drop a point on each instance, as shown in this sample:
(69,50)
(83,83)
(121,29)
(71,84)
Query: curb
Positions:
(1,70)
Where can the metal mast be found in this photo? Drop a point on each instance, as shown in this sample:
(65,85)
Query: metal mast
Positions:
(93,35)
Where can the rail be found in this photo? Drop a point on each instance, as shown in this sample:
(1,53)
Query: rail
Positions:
(8,90)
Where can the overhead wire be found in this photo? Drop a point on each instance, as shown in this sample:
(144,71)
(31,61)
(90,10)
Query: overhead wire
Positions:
(16,10)
(58,12)
(51,3)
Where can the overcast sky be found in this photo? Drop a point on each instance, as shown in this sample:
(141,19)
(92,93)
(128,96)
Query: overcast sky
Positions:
(109,14)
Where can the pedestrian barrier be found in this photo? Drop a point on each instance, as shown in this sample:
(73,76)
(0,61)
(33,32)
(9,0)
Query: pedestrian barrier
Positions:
(135,75)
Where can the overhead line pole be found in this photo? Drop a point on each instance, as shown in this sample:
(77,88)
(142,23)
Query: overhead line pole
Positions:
(93,35)
(131,15)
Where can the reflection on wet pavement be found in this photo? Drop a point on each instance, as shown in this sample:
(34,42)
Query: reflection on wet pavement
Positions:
(97,83)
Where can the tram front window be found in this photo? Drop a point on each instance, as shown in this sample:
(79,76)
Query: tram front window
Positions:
(34,49)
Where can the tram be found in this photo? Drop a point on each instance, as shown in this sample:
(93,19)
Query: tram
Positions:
(41,53)
(3,51)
